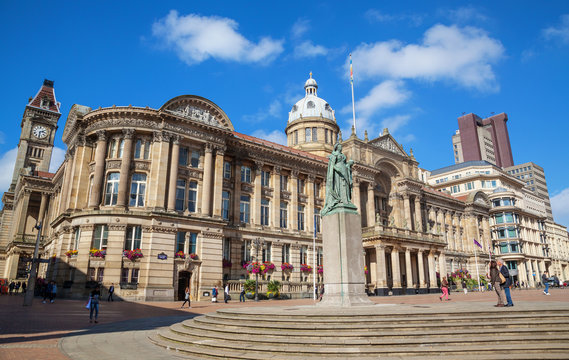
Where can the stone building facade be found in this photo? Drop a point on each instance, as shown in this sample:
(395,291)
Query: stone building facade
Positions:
(180,179)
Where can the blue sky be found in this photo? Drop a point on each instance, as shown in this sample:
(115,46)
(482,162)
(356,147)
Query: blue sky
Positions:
(417,66)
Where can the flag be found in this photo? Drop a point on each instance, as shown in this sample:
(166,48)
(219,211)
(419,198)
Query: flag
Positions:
(477,243)
(351,70)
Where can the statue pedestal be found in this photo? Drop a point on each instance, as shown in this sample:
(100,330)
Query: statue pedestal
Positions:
(344,278)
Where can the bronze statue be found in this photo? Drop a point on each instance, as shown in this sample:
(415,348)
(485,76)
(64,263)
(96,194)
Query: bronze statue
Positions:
(339,183)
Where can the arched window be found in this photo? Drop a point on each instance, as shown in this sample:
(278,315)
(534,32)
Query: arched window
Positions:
(310,105)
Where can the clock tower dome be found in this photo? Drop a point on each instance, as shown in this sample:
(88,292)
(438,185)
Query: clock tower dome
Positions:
(39,124)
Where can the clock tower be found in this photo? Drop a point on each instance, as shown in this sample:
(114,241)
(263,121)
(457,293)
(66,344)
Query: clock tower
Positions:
(39,124)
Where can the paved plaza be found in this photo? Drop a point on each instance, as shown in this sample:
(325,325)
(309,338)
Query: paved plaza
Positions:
(62,330)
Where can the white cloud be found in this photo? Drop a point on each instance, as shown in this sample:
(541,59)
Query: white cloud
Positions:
(299,28)
(57,157)
(374,15)
(560,207)
(560,32)
(308,50)
(277,136)
(7,163)
(394,123)
(463,55)
(274,110)
(465,14)
(197,38)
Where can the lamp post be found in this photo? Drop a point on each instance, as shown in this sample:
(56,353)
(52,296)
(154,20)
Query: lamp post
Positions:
(29,296)
(257,242)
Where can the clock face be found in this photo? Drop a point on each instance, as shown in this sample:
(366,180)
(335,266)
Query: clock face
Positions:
(39,131)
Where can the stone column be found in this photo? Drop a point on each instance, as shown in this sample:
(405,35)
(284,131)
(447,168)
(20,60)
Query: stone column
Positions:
(381,282)
(396,271)
(98,179)
(293,199)
(418,217)
(356,194)
(370,205)
(395,211)
(441,222)
(67,183)
(174,159)
(486,232)
(407,206)
(522,273)
(159,170)
(421,266)
(23,211)
(124,180)
(276,210)
(236,192)
(432,271)
(257,194)
(218,181)
(80,178)
(207,180)
(442,265)
(409,272)
(450,233)
(309,213)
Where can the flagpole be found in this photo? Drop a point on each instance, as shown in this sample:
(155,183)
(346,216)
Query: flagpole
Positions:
(477,273)
(353,103)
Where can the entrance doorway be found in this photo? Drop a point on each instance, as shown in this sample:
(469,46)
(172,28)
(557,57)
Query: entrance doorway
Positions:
(183,281)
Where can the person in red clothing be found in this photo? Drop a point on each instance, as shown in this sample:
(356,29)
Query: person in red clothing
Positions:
(444,288)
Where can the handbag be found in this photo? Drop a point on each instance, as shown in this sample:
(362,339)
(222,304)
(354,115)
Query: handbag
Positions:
(502,278)
(88,305)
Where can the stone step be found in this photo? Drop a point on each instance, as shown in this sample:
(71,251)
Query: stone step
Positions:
(237,325)
(285,334)
(199,348)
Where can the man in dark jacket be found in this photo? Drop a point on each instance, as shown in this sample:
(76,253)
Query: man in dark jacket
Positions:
(545,280)
(506,286)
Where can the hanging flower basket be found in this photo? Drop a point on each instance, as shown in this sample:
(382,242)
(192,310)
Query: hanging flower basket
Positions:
(71,253)
(307,269)
(98,253)
(268,267)
(132,255)
(180,255)
(320,270)
(227,263)
(286,267)
(366,271)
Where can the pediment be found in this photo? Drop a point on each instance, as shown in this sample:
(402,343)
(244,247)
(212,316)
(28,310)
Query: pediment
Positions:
(198,109)
(388,143)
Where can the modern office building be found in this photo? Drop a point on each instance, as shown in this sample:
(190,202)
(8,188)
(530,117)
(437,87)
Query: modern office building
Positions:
(483,139)
(534,178)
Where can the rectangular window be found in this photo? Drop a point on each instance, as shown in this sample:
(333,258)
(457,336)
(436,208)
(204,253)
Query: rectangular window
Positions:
(267,249)
(137,190)
(514,247)
(300,185)
(284,182)
(504,248)
(100,274)
(493,183)
(195,161)
(265,178)
(134,276)
(317,220)
(180,194)
(180,241)
(300,217)
(319,257)
(91,274)
(146,150)
(100,236)
(314,134)
(483,183)
(133,237)
(193,243)
(121,149)
(226,251)
(137,148)
(111,151)
(227,170)
(246,250)
(499,218)
(512,232)
(284,214)
(76,237)
(112,189)
(469,186)
(303,255)
(124,276)
(244,209)
(512,265)
(316,190)
(225,205)
(183,158)
(308,132)
(295,137)
(326,136)
(265,212)
(286,253)
(193,196)
(246,174)
(509,217)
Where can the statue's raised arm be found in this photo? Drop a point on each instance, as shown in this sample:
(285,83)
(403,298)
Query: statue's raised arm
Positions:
(339,183)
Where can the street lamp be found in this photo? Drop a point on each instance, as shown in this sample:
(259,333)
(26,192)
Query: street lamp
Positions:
(257,242)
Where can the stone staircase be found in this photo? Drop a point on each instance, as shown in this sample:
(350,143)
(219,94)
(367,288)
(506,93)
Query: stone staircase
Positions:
(474,332)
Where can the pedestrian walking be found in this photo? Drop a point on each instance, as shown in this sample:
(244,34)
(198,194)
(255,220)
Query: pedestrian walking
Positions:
(242,294)
(506,286)
(186,298)
(47,292)
(24,286)
(496,281)
(111,292)
(214,294)
(53,292)
(545,280)
(94,297)
(17,287)
(11,287)
(226,293)
(321,292)
(444,289)
(463,283)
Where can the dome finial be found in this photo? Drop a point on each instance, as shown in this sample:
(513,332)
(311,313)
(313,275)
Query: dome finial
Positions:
(310,74)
